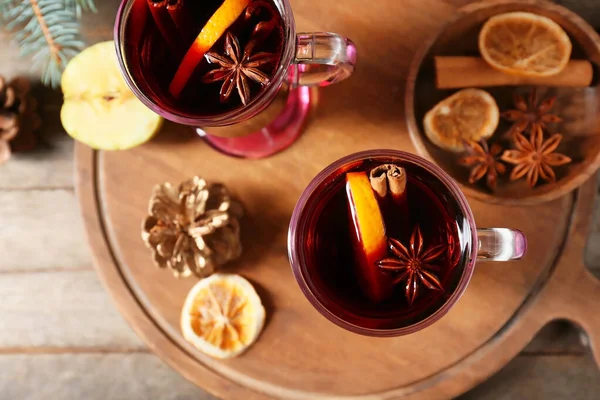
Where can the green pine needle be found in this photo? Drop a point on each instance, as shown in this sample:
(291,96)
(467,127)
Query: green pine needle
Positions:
(46,30)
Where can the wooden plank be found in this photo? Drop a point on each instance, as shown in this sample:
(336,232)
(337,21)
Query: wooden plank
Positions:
(93,377)
(60,309)
(550,377)
(592,250)
(41,230)
(557,338)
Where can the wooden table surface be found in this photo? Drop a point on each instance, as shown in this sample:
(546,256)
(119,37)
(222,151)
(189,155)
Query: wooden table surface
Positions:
(62,338)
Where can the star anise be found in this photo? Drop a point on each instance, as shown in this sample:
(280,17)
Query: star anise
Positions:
(413,264)
(483,162)
(192,228)
(535,157)
(237,69)
(529,115)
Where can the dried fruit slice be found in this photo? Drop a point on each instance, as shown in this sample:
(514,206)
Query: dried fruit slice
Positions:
(470,114)
(222,315)
(99,108)
(524,44)
(368,236)
(216,26)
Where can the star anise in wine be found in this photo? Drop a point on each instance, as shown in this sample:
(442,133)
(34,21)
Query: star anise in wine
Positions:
(535,157)
(413,264)
(237,69)
(483,162)
(529,115)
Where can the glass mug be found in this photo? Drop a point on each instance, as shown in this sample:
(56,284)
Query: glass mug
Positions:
(320,255)
(275,117)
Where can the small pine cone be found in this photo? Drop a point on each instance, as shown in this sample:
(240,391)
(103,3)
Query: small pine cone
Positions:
(18,117)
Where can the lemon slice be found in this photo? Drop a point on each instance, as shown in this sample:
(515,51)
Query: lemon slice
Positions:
(222,315)
(523,43)
(99,108)
(469,114)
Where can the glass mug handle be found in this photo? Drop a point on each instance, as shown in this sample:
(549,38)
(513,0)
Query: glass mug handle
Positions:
(322,58)
(500,244)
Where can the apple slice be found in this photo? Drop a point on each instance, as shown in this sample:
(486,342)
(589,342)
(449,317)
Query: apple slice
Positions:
(99,109)
(368,236)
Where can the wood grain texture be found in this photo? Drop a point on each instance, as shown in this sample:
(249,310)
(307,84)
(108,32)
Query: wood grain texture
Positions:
(41,230)
(60,310)
(50,164)
(496,318)
(547,377)
(93,376)
(558,338)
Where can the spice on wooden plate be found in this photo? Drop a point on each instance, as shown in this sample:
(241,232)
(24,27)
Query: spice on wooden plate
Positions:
(457,72)
(534,158)
(483,161)
(531,114)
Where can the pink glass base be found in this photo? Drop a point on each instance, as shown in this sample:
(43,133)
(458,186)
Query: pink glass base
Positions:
(274,137)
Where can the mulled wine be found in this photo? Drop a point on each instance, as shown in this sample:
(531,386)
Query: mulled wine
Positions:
(203,58)
(383,243)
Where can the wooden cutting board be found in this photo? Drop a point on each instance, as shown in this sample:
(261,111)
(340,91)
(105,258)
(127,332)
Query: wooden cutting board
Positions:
(301,355)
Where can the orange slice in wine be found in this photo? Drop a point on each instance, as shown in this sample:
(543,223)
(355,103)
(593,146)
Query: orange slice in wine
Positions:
(368,235)
(523,43)
(216,26)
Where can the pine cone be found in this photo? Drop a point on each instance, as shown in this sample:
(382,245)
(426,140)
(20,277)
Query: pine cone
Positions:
(192,228)
(18,119)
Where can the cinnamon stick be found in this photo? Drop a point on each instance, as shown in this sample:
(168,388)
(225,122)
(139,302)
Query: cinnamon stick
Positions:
(388,181)
(139,17)
(461,72)
(165,25)
(389,178)
(181,19)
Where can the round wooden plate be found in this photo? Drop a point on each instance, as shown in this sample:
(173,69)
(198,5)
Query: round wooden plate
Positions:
(301,355)
(577,106)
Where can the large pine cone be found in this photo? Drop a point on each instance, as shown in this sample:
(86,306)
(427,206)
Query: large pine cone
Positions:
(18,119)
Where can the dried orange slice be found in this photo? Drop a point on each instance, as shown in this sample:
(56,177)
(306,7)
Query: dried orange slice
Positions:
(523,43)
(216,26)
(469,114)
(368,236)
(222,315)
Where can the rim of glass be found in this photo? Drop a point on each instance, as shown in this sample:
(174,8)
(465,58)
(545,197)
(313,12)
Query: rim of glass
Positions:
(296,254)
(256,105)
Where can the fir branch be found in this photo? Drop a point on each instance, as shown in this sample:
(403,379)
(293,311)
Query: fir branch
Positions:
(48,30)
(79,5)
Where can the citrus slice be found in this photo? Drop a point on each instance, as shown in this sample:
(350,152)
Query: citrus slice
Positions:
(216,26)
(368,236)
(469,114)
(222,315)
(523,43)
(99,109)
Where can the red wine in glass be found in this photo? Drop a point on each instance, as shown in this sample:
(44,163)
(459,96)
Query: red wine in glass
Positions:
(245,87)
(332,260)
(159,34)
